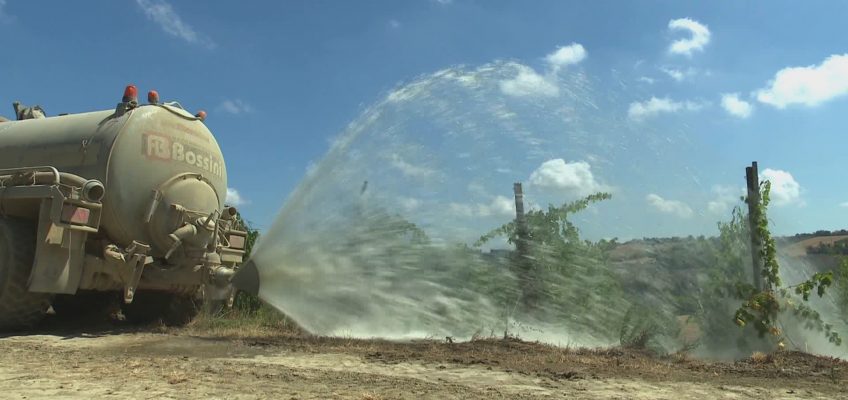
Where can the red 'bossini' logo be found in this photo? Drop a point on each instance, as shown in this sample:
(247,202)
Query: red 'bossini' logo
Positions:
(160,147)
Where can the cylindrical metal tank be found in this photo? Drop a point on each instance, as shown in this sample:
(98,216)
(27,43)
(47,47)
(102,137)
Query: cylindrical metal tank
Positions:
(159,164)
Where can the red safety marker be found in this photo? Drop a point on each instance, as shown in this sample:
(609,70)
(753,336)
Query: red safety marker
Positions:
(130,94)
(153,97)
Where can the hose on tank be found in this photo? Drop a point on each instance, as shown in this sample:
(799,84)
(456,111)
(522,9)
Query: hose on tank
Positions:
(91,190)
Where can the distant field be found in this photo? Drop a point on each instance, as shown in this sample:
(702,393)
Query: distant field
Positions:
(800,248)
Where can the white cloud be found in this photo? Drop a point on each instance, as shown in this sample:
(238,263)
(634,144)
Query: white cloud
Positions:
(409,204)
(673,207)
(565,56)
(810,86)
(674,74)
(161,12)
(655,106)
(528,83)
(678,74)
(647,80)
(444,1)
(725,198)
(785,190)
(574,178)
(409,169)
(844,204)
(235,107)
(394,24)
(700,36)
(234,198)
(736,106)
(500,206)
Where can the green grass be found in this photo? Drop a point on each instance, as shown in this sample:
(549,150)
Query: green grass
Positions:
(248,317)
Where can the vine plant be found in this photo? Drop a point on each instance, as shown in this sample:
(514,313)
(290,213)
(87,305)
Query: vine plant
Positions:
(761,308)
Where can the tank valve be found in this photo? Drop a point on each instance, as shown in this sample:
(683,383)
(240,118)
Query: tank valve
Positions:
(222,275)
(184,232)
(197,234)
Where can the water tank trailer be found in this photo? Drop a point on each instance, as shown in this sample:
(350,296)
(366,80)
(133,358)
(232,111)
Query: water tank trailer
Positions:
(128,200)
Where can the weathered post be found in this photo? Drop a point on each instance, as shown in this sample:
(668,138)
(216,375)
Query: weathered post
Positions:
(524,262)
(520,222)
(753,180)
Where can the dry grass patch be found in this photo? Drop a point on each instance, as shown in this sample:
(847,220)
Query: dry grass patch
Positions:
(177,377)
(239,324)
(759,357)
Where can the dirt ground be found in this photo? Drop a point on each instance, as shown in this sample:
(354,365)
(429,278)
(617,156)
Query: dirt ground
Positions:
(158,363)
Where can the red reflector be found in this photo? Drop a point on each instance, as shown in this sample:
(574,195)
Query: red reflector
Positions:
(81,216)
(153,97)
(201,115)
(75,215)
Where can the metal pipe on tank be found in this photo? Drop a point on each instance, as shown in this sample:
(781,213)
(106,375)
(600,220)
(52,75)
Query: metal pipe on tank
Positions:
(91,190)
(156,197)
(9,172)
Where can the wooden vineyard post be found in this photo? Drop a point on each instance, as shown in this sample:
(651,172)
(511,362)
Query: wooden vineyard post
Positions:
(524,263)
(753,180)
(521,231)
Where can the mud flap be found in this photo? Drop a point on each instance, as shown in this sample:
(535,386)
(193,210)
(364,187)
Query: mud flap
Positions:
(59,256)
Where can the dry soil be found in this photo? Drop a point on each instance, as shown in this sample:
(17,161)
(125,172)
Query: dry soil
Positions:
(186,364)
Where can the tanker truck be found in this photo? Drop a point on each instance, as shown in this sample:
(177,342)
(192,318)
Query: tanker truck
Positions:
(128,201)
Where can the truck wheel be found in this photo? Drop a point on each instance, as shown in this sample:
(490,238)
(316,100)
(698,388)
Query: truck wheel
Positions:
(19,308)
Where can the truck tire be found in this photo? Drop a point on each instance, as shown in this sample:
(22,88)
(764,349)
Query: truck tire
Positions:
(169,308)
(19,308)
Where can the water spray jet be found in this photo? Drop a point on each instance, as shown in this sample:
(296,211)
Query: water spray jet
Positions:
(401,255)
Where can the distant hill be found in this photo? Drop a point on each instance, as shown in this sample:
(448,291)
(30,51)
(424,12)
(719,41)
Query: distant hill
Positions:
(804,236)
(672,269)
(818,245)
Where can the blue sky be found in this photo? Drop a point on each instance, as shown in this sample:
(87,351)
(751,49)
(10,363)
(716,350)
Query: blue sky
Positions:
(759,81)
